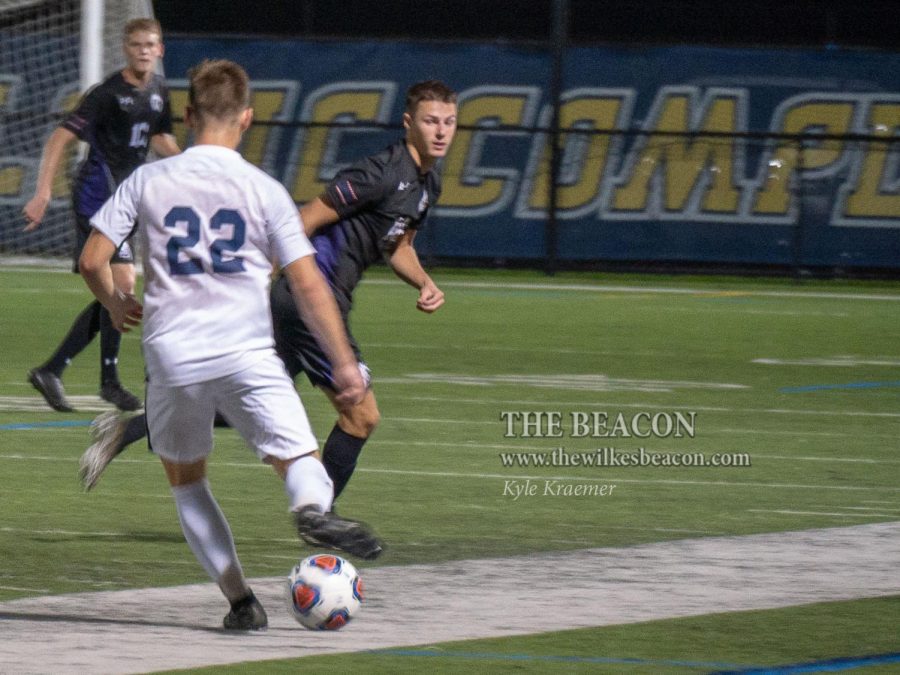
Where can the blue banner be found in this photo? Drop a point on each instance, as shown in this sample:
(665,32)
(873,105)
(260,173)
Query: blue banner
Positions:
(675,154)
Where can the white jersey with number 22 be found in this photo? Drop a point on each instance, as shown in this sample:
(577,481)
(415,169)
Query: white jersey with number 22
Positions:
(209,225)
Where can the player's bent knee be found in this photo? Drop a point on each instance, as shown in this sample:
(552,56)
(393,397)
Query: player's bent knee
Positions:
(281,465)
(184,474)
(370,420)
(360,421)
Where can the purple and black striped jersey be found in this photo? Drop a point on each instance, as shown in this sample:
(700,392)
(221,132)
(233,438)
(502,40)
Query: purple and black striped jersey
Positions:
(117,120)
(378,199)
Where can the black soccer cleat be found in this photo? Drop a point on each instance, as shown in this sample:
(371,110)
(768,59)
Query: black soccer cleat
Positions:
(332,531)
(246,614)
(120,397)
(51,388)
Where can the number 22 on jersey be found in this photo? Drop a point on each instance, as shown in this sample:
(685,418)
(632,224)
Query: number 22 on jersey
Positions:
(179,245)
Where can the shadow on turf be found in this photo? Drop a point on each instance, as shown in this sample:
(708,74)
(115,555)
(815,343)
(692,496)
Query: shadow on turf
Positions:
(96,620)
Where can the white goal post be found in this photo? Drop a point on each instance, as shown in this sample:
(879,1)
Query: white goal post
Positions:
(50,52)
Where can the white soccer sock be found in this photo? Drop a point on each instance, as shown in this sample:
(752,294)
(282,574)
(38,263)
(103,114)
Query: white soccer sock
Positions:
(306,482)
(209,536)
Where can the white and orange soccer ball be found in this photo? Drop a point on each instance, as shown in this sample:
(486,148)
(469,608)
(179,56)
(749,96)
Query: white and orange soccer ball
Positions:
(324,592)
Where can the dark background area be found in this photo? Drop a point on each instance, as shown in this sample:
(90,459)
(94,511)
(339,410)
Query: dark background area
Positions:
(801,23)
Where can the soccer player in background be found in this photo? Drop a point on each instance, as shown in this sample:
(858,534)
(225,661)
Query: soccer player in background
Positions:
(120,119)
(210,225)
(369,211)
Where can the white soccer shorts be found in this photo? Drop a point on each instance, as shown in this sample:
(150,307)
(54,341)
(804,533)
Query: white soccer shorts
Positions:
(259,402)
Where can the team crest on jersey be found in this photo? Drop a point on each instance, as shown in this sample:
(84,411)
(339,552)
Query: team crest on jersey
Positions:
(397,230)
(156,103)
(423,203)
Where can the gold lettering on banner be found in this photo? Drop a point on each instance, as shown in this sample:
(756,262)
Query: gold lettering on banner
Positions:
(782,163)
(876,194)
(680,170)
(468,185)
(585,155)
(337,104)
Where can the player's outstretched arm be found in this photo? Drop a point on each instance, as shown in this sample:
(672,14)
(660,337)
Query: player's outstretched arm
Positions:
(51,157)
(124,309)
(319,311)
(406,265)
(317,213)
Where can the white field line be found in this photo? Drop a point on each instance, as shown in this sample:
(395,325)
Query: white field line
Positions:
(527,449)
(17,264)
(743,311)
(839,460)
(836,361)
(618,479)
(571,382)
(731,431)
(655,290)
(82,404)
(513,350)
(789,512)
(598,440)
(141,630)
(292,540)
(864,508)
(612,405)
(842,361)
(74,290)
(21,263)
(95,404)
(507,476)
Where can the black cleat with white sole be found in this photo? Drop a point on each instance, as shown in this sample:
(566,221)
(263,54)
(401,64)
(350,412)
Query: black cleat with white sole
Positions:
(332,531)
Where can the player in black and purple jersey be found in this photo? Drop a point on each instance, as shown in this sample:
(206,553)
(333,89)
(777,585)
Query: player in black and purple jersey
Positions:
(120,119)
(370,211)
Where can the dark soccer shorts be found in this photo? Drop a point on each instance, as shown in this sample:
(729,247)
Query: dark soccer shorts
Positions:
(124,254)
(296,344)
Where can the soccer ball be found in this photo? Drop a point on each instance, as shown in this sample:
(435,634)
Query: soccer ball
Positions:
(324,592)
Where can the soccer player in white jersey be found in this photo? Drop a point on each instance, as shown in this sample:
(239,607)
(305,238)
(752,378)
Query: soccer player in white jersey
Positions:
(210,224)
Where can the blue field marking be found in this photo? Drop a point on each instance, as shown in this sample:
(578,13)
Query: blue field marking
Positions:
(848,385)
(31,426)
(430,653)
(826,666)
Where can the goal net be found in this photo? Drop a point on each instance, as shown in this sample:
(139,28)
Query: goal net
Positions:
(40,80)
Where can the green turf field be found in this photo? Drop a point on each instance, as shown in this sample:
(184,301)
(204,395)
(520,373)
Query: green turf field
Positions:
(800,381)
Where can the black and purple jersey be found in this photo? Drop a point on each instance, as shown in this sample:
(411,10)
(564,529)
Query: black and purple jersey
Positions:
(378,199)
(117,120)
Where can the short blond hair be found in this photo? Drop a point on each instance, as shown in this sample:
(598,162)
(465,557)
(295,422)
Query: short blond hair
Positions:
(218,89)
(148,24)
